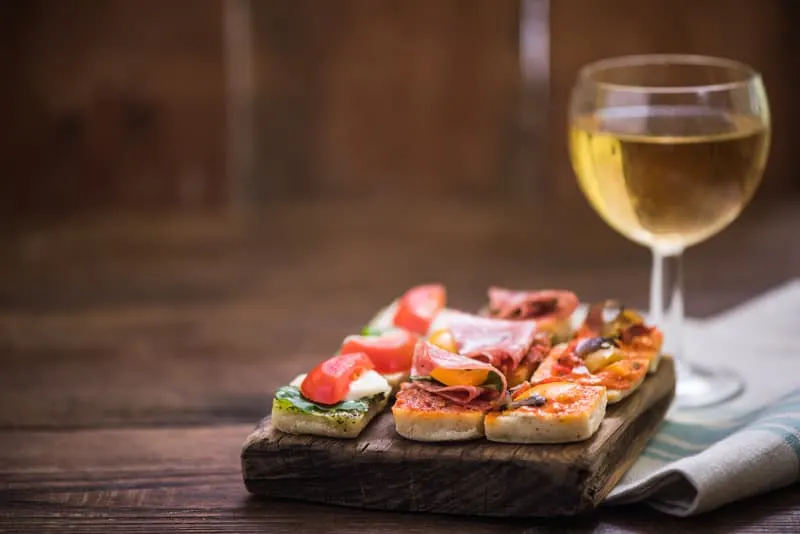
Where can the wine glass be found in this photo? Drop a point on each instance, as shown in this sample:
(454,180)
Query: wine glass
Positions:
(668,149)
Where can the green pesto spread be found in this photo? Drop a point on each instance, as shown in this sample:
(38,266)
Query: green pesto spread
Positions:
(289,399)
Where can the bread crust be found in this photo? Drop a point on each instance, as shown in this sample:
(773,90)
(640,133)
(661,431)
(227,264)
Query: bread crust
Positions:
(617,395)
(342,424)
(423,416)
(654,361)
(524,425)
(442,426)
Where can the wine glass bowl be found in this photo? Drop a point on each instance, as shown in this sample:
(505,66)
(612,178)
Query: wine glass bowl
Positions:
(668,149)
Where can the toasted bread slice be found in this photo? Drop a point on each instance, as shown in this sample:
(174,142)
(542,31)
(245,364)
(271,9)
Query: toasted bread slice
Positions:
(559,412)
(545,369)
(655,359)
(345,421)
(423,416)
(634,368)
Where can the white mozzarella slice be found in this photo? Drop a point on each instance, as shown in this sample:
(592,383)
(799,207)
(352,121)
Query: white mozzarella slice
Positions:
(370,383)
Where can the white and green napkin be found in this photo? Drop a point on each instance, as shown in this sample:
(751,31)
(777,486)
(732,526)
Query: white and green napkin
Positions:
(704,458)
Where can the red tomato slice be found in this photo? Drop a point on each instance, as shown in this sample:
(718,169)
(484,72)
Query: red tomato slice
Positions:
(418,306)
(391,352)
(329,382)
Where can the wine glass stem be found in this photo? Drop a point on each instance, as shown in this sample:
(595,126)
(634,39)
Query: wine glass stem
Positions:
(666,301)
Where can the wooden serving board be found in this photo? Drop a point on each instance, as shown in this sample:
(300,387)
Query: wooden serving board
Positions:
(382,470)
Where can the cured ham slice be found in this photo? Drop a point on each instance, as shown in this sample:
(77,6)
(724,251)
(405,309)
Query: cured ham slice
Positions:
(549,304)
(504,344)
(551,309)
(473,396)
(460,379)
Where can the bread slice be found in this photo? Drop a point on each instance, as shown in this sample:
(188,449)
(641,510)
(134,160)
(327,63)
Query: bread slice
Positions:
(569,413)
(655,359)
(617,395)
(545,371)
(423,416)
(331,422)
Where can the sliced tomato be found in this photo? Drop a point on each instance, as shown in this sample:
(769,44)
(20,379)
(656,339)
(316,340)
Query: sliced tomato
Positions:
(391,352)
(329,382)
(418,306)
(561,370)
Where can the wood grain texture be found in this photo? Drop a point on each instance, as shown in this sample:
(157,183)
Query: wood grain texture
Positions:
(382,470)
(136,355)
(387,96)
(112,104)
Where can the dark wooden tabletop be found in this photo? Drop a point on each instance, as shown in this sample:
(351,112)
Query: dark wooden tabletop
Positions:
(137,354)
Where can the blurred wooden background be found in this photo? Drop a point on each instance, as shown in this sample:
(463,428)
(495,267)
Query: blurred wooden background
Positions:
(208,104)
(127,330)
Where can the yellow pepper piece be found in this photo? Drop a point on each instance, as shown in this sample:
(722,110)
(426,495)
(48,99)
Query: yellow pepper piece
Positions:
(619,368)
(460,377)
(443,339)
(602,358)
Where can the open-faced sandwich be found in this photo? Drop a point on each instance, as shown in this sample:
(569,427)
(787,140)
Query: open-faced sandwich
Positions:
(447,396)
(515,372)
(391,352)
(554,412)
(338,398)
(551,309)
(513,347)
(413,311)
(609,319)
(594,361)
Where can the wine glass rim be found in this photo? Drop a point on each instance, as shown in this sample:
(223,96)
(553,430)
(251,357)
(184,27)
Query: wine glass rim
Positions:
(749,74)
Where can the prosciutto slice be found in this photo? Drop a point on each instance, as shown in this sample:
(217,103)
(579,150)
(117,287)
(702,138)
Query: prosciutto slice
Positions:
(472,396)
(503,344)
(428,357)
(545,305)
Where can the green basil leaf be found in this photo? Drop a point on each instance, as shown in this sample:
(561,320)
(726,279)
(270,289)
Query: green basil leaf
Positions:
(424,379)
(494,381)
(372,331)
(289,397)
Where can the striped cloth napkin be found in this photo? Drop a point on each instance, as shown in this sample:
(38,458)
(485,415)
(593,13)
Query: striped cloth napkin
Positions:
(704,458)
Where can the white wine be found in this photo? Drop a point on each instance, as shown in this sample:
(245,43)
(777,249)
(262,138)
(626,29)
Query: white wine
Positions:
(668,176)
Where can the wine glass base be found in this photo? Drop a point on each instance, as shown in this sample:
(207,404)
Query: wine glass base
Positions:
(698,387)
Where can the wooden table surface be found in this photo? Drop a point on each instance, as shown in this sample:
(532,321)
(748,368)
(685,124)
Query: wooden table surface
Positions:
(137,354)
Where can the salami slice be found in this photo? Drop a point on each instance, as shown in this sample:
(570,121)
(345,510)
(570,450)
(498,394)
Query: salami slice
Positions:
(545,305)
(503,344)
(429,358)
(472,396)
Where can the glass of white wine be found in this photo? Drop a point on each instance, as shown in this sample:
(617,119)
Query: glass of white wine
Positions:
(668,149)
